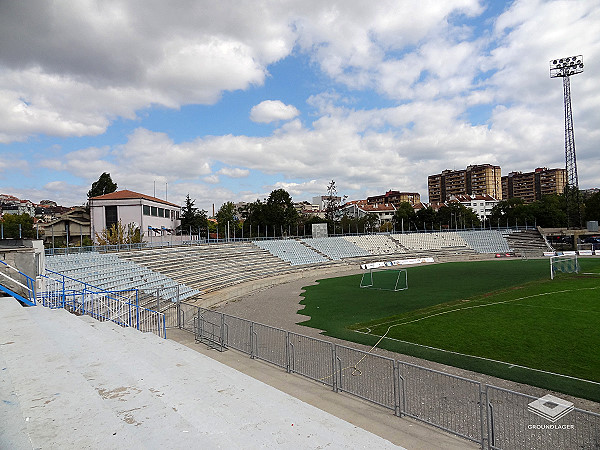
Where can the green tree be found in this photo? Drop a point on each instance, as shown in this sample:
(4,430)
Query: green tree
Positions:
(192,218)
(333,202)
(454,215)
(11,222)
(103,186)
(280,211)
(592,207)
(119,234)
(404,216)
(427,218)
(226,215)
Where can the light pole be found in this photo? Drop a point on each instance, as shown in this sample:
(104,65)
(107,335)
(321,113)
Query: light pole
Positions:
(564,68)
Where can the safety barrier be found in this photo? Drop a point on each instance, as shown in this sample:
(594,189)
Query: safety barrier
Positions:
(492,417)
(17,284)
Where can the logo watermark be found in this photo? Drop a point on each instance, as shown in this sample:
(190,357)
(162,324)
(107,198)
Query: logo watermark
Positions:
(550,408)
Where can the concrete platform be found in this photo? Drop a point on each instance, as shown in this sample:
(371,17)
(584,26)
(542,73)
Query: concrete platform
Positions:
(68,382)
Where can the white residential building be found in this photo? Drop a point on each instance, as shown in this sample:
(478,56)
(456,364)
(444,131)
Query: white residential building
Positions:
(480,204)
(154,217)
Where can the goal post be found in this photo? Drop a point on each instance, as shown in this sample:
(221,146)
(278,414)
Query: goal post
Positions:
(385,279)
(563,264)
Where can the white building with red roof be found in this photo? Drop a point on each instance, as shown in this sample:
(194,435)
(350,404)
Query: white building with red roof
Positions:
(154,216)
(480,204)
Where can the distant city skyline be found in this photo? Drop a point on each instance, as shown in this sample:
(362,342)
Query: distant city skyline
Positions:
(228,101)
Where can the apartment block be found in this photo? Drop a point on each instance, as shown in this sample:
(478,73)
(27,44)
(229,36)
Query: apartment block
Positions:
(395,198)
(484,179)
(531,186)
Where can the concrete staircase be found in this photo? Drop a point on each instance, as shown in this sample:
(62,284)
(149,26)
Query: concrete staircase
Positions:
(72,382)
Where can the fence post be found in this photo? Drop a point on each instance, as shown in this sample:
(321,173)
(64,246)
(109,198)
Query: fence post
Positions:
(222,331)
(334,358)
(287,351)
(252,340)
(396,389)
(482,413)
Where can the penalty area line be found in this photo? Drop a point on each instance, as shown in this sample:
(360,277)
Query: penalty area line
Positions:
(510,365)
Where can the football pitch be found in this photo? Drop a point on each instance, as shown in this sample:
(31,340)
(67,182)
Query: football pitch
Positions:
(504,318)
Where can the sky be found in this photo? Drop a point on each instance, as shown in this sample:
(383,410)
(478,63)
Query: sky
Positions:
(228,100)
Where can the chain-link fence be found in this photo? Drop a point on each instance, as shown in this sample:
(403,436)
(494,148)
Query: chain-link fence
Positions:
(493,417)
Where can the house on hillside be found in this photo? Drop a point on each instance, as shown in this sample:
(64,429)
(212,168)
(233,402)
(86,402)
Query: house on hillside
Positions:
(154,216)
(69,228)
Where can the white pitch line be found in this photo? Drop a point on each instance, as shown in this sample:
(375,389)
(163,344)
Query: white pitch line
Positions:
(482,358)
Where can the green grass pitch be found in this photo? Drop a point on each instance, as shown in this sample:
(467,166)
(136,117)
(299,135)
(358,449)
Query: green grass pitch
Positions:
(501,317)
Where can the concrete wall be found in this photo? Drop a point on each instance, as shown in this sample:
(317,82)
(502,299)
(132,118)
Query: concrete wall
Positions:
(26,256)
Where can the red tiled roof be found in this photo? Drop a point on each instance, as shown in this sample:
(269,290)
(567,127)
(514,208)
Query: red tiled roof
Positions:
(126,195)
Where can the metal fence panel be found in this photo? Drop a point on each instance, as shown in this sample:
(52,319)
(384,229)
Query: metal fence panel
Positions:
(187,315)
(368,376)
(238,334)
(270,344)
(446,401)
(209,328)
(312,358)
(513,426)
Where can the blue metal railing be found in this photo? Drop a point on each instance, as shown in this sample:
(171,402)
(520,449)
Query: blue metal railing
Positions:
(104,305)
(27,284)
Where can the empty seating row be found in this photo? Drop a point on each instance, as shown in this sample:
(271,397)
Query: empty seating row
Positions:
(111,273)
(376,244)
(430,241)
(291,251)
(336,247)
(485,241)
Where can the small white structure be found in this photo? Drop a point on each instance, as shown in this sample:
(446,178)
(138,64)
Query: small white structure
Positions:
(480,204)
(154,217)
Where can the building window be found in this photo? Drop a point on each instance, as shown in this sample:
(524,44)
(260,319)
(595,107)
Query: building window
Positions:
(146,210)
(110,215)
(153,211)
(161,212)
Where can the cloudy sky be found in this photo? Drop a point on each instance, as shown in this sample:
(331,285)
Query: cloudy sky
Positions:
(228,100)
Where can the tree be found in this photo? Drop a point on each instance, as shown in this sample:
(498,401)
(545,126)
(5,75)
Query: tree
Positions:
(333,202)
(192,219)
(455,215)
(592,207)
(119,234)
(103,186)
(11,222)
(404,216)
(225,215)
(428,218)
(280,211)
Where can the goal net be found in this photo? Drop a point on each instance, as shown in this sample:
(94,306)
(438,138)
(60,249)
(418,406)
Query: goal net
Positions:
(563,264)
(385,279)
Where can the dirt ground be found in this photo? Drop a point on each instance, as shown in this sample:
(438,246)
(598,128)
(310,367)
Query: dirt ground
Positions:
(279,306)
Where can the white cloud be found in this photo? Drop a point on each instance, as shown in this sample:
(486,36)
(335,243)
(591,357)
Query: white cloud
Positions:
(234,172)
(271,111)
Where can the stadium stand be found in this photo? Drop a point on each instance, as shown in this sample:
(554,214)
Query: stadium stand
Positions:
(292,251)
(485,241)
(109,272)
(210,267)
(527,243)
(431,241)
(336,247)
(377,244)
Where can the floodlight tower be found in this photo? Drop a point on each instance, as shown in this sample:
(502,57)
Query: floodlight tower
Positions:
(564,68)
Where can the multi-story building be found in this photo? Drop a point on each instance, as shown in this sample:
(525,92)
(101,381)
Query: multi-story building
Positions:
(395,198)
(483,179)
(531,186)
(481,205)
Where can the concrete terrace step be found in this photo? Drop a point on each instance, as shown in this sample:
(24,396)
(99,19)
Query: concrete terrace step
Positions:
(151,392)
(56,403)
